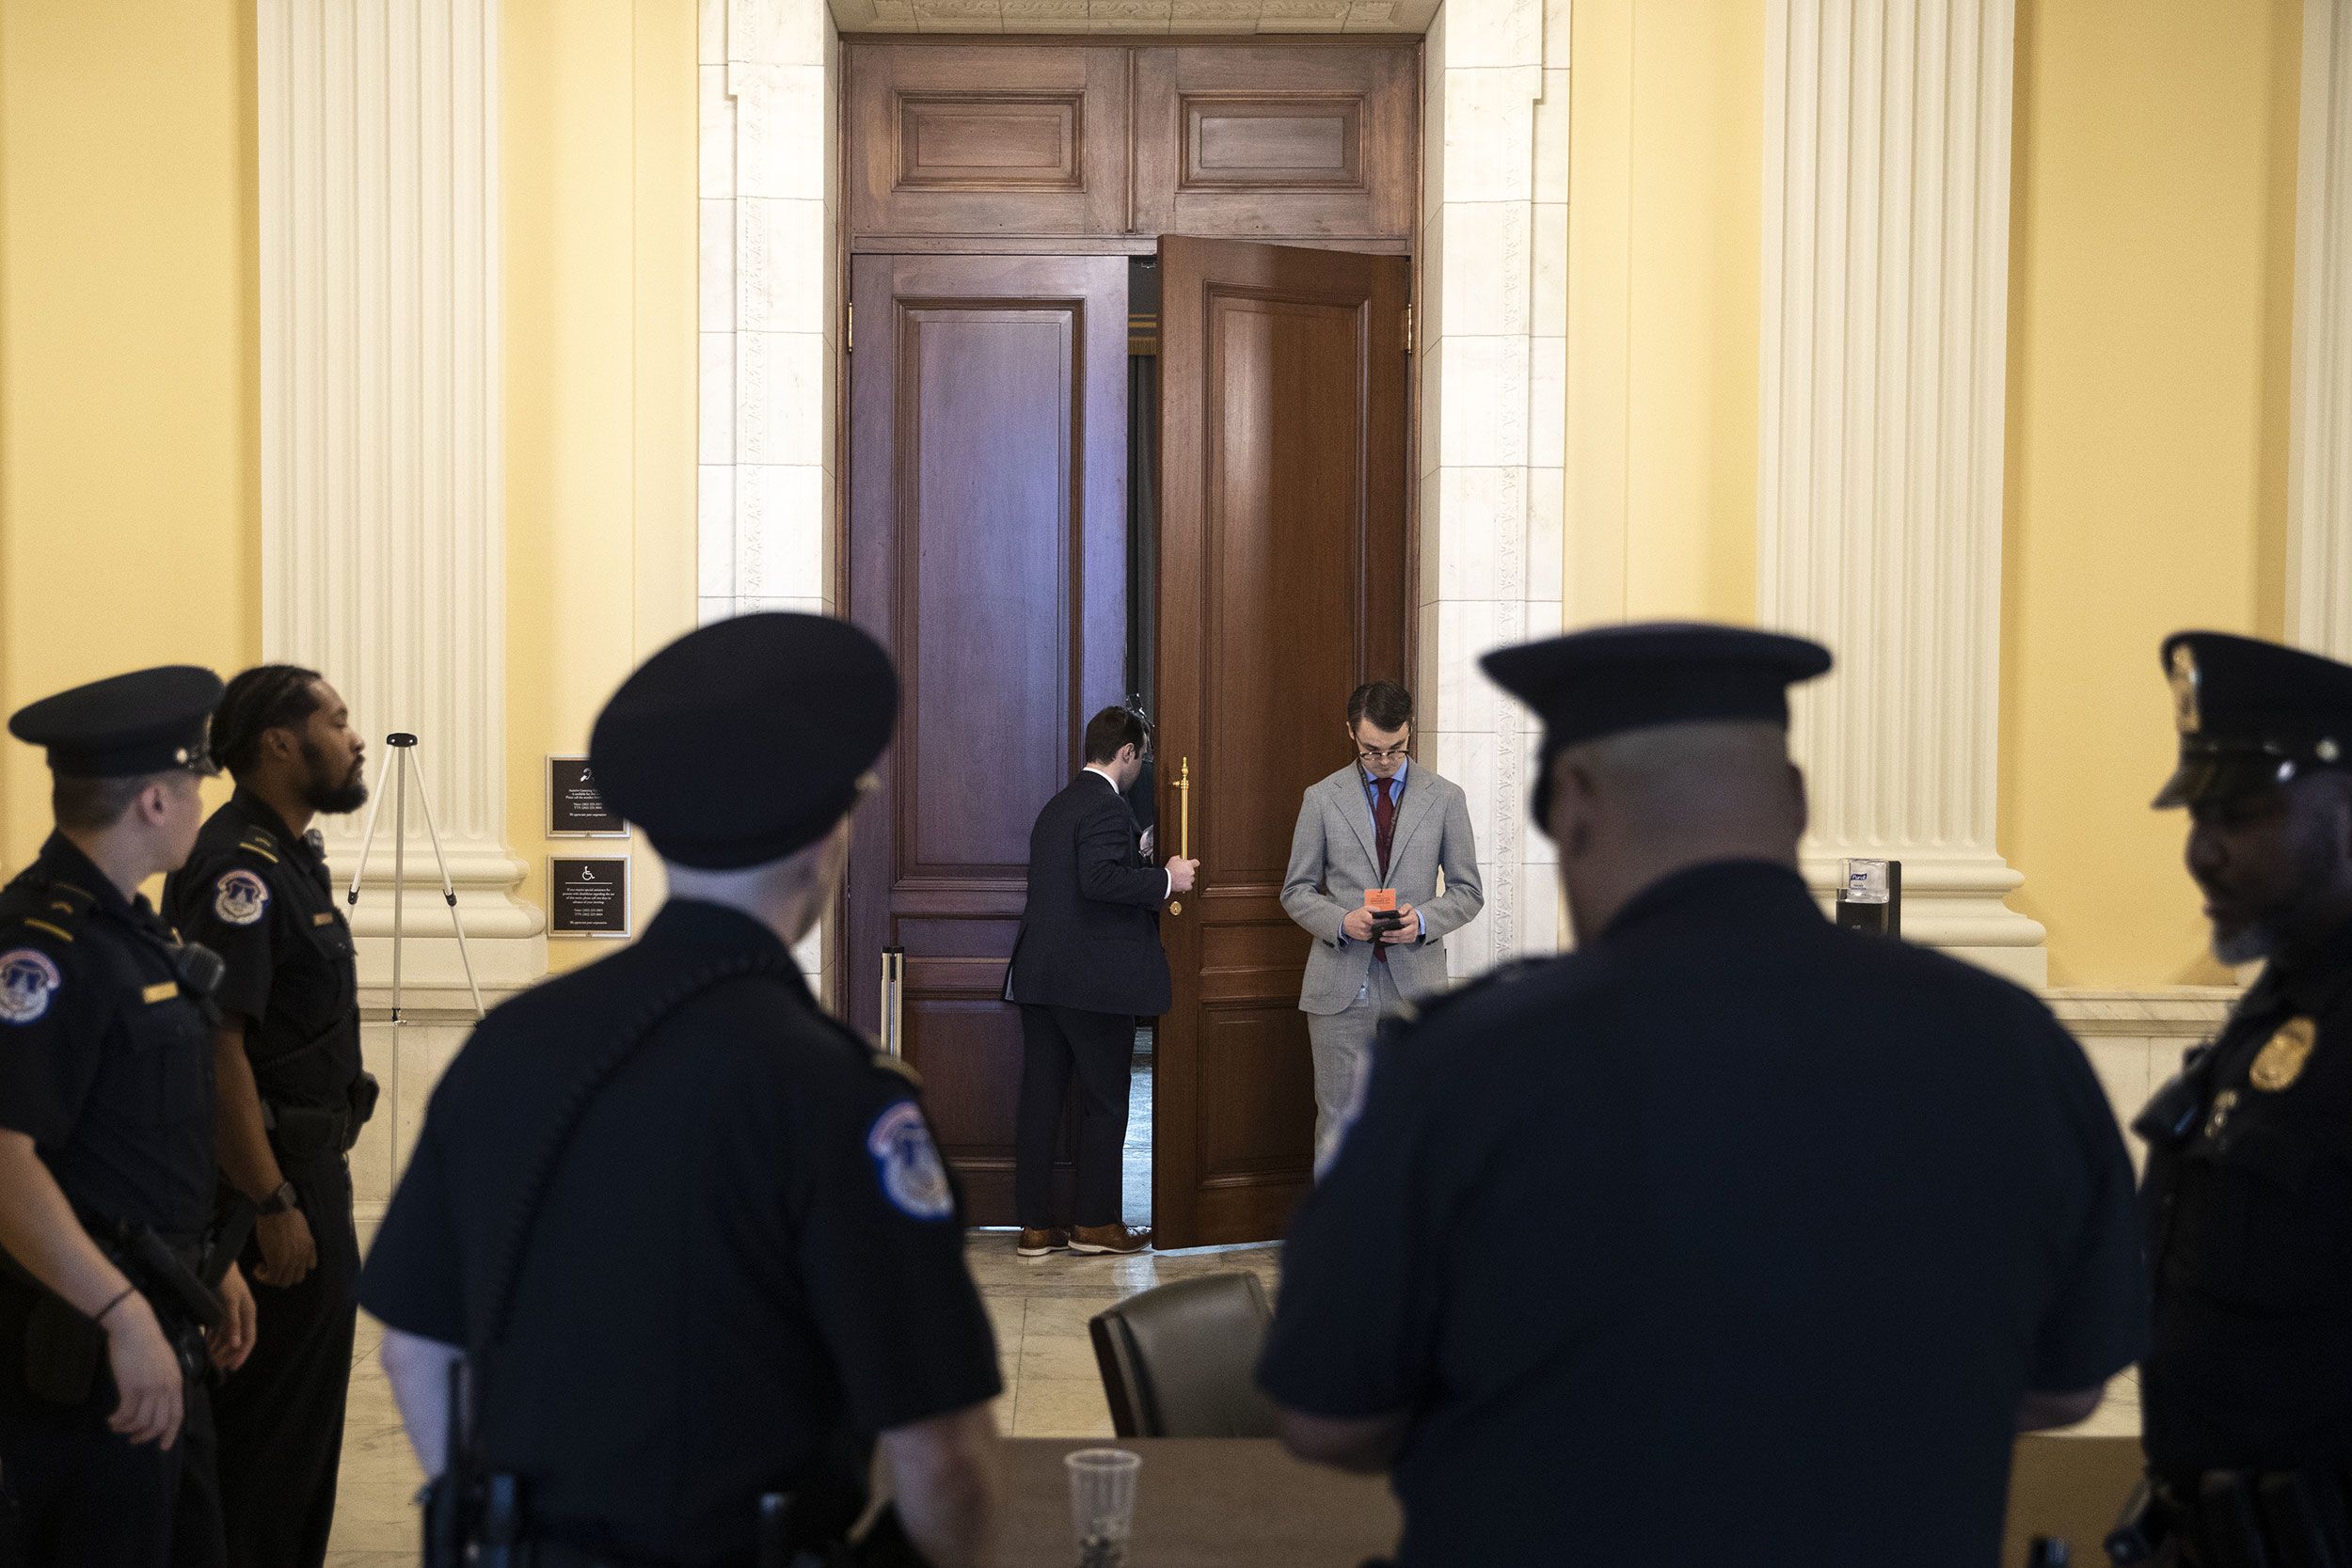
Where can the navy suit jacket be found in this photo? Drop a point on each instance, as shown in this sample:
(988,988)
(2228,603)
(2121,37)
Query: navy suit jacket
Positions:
(1091,936)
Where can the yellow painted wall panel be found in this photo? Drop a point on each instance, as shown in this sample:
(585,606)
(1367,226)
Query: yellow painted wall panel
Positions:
(2150,310)
(130,515)
(600,141)
(1665,276)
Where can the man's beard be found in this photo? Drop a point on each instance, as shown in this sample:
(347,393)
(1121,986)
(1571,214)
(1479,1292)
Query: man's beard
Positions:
(2249,945)
(327,796)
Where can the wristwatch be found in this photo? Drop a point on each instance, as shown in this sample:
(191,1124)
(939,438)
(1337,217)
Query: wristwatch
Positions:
(279,1201)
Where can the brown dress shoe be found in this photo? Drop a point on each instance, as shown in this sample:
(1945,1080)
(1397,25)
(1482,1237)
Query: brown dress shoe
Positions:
(1109,1238)
(1037,1244)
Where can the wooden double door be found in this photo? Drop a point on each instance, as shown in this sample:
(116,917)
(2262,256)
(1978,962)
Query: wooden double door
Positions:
(988,547)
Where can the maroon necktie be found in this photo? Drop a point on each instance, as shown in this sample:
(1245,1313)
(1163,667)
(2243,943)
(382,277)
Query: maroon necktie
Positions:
(1384,834)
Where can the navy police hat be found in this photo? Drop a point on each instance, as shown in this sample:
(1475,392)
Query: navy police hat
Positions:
(2251,715)
(146,721)
(1610,679)
(746,741)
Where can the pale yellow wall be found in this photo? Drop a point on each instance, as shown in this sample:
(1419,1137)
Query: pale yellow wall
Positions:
(2151,307)
(130,517)
(600,143)
(1665,257)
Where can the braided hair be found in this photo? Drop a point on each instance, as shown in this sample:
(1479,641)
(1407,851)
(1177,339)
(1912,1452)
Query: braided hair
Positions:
(266,697)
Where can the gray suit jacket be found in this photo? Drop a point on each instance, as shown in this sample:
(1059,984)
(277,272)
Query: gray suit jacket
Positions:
(1333,858)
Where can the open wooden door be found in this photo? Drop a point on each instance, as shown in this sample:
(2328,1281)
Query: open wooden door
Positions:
(1284,471)
(987,552)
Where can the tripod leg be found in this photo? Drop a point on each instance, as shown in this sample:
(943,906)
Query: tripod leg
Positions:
(366,839)
(448,892)
(399,870)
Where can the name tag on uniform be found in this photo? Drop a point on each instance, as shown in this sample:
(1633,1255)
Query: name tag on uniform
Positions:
(162,991)
(324,917)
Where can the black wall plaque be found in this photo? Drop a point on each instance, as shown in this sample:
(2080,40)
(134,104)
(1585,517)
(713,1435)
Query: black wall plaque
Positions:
(588,896)
(575,809)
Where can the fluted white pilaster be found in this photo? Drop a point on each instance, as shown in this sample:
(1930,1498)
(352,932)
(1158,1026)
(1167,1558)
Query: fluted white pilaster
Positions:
(383,555)
(1884,339)
(2319,465)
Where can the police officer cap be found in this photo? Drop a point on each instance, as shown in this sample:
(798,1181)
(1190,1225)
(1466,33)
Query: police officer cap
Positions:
(146,721)
(745,740)
(2251,715)
(1595,683)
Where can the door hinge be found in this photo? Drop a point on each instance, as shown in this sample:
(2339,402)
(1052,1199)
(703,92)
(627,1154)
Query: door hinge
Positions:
(1409,329)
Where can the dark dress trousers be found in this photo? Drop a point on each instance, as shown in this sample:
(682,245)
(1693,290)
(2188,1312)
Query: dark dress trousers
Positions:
(1086,963)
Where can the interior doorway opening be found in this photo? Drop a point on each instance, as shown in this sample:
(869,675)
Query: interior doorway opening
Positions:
(1143,588)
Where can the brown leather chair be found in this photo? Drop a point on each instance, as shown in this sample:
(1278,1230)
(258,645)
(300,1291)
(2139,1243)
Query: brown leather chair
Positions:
(1181,1360)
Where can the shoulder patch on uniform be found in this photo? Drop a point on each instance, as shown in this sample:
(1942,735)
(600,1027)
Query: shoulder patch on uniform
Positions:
(907,1163)
(29,981)
(240,898)
(884,1062)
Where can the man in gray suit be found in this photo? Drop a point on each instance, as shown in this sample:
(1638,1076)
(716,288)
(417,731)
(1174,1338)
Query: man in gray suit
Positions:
(1379,823)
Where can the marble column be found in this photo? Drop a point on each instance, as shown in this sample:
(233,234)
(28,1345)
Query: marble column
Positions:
(2319,462)
(1492,327)
(1886,214)
(772,320)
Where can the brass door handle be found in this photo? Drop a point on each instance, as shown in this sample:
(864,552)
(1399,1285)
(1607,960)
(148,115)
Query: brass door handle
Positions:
(1184,821)
(894,994)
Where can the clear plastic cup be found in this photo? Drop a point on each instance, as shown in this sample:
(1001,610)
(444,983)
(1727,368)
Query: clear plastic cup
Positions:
(1102,1503)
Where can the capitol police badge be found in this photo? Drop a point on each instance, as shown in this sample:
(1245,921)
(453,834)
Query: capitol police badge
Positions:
(2280,1062)
(912,1177)
(28,979)
(240,898)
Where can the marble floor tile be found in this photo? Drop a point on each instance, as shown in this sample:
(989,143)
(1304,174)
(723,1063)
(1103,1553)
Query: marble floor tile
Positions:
(1061,1407)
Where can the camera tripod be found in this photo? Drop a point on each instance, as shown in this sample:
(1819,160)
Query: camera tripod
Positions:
(403,752)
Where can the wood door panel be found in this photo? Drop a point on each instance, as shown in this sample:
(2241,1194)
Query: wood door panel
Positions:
(1254,1056)
(1279,142)
(987,550)
(988,388)
(949,139)
(1283,475)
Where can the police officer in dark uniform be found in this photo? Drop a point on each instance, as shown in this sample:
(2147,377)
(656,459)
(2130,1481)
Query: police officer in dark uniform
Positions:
(1826,1218)
(292,1097)
(692,1236)
(107,1145)
(2246,1396)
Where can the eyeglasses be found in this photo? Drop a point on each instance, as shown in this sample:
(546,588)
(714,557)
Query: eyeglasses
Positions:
(1385,754)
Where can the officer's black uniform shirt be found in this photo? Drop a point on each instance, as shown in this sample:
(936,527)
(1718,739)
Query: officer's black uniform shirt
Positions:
(732,1283)
(2250,1239)
(104,1063)
(1732,1237)
(261,897)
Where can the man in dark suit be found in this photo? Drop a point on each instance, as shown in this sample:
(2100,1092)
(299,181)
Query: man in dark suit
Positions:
(1085,964)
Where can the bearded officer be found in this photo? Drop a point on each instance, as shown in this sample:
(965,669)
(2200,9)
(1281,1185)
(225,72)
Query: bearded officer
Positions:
(292,1097)
(107,1145)
(2246,1396)
(1827,1218)
(691,1235)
